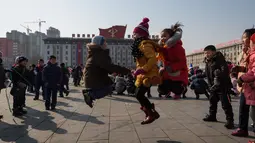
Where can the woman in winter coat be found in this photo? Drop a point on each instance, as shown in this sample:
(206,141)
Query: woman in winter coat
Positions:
(248,79)
(144,53)
(241,69)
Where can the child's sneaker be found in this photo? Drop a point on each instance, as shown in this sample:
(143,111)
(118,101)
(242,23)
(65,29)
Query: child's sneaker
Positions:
(87,98)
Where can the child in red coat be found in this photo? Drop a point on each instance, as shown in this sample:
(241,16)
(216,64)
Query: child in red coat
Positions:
(174,71)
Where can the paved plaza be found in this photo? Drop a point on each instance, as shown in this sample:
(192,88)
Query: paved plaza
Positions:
(115,119)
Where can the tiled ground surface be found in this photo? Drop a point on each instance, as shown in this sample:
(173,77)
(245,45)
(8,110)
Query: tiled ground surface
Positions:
(115,120)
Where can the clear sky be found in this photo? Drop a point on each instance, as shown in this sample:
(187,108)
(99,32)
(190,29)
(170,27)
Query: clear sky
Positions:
(205,21)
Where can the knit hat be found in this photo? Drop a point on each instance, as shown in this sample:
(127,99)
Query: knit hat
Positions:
(98,40)
(143,28)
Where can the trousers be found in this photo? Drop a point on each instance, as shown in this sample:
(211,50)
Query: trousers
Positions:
(51,97)
(222,96)
(140,96)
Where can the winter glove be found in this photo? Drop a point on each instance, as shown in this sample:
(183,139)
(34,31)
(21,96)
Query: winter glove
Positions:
(239,82)
(138,72)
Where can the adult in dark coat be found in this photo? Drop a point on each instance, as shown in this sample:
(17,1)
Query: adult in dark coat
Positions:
(2,78)
(51,77)
(64,80)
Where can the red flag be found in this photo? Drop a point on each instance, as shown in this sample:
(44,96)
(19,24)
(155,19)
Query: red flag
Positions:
(116,31)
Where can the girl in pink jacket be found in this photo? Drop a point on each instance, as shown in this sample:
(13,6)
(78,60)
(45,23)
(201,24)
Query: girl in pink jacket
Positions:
(248,80)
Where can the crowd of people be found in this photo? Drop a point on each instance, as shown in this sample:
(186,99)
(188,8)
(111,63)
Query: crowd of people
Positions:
(161,64)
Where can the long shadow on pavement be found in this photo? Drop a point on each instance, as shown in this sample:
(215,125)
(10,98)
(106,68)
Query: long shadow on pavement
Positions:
(78,117)
(34,119)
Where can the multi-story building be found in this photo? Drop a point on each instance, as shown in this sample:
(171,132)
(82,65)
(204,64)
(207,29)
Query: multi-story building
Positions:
(230,50)
(53,32)
(20,41)
(73,51)
(6,47)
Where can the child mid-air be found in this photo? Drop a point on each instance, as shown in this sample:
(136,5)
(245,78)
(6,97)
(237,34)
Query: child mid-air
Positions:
(247,81)
(98,65)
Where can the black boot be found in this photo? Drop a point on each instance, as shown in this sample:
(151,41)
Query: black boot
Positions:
(22,110)
(16,112)
(229,124)
(87,98)
(210,118)
(1,117)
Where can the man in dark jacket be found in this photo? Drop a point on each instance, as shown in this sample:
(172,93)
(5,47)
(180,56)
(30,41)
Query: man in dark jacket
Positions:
(20,80)
(216,70)
(64,80)
(98,65)
(38,79)
(51,77)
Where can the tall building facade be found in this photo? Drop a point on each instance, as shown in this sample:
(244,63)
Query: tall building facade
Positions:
(230,50)
(53,32)
(73,51)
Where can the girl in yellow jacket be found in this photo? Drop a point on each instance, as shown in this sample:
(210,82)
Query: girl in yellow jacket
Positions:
(143,51)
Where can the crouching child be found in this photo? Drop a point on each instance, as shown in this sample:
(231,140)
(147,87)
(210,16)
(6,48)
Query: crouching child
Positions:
(199,85)
(98,65)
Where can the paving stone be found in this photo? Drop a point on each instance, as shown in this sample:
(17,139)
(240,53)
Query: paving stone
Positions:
(157,140)
(148,132)
(184,136)
(218,139)
(123,137)
(121,126)
(98,141)
(95,133)
(119,118)
(58,138)
(169,124)
(202,130)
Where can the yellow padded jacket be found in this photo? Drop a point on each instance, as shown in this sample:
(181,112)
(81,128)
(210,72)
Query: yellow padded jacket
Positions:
(148,63)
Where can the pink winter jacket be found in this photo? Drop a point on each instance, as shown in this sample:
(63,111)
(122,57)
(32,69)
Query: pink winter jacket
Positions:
(249,80)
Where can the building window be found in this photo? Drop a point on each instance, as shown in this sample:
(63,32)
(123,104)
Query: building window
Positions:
(66,58)
(57,52)
(66,52)
(48,52)
(57,47)
(48,47)
(57,57)
(66,47)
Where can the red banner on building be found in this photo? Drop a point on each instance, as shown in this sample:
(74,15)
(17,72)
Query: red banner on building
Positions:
(117,31)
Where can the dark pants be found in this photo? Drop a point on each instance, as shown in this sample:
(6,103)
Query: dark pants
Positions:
(62,89)
(149,91)
(38,86)
(225,102)
(67,86)
(19,98)
(51,97)
(171,86)
(140,96)
(243,113)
